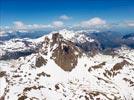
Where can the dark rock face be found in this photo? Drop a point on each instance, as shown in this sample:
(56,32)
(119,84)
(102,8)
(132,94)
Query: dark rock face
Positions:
(2,73)
(66,54)
(56,39)
(22,98)
(120,65)
(97,66)
(40,61)
(117,67)
(2,98)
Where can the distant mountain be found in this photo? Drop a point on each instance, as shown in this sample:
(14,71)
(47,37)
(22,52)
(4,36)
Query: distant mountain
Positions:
(129,40)
(131,35)
(22,34)
(111,39)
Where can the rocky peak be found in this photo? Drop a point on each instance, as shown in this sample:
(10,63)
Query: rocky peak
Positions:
(66,52)
(56,37)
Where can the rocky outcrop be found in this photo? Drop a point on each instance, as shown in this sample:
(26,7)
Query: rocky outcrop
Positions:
(120,65)
(40,61)
(97,66)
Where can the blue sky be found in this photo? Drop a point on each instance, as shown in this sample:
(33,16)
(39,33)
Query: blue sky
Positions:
(47,11)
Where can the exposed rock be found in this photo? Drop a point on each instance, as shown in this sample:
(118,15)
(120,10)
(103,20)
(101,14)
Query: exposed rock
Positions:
(40,61)
(97,66)
(56,37)
(97,93)
(47,40)
(33,87)
(66,54)
(43,74)
(2,73)
(43,46)
(120,65)
(107,73)
(15,76)
(57,87)
(22,98)
(2,98)
(129,80)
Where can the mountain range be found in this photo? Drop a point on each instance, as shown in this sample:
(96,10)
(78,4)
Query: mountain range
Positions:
(67,65)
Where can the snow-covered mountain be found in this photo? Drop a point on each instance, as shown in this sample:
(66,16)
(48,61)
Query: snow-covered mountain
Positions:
(65,65)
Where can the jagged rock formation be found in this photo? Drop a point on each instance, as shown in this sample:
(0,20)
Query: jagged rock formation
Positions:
(66,53)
